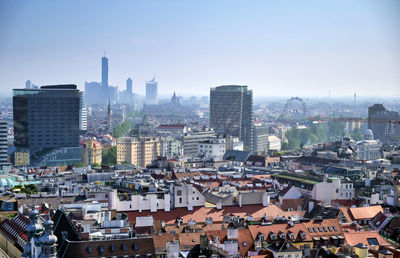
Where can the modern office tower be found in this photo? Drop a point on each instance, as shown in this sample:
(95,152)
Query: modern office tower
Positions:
(28,84)
(101,92)
(192,138)
(129,86)
(151,92)
(82,113)
(46,122)
(260,137)
(104,71)
(138,151)
(231,112)
(384,123)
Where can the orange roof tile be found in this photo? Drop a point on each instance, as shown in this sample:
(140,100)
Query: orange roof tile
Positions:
(354,238)
(365,212)
(199,214)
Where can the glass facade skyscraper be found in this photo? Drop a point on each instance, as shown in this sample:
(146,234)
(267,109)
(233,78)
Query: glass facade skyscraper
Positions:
(231,112)
(46,118)
(104,71)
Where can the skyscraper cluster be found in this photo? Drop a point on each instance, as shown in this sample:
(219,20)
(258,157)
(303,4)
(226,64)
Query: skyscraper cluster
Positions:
(101,93)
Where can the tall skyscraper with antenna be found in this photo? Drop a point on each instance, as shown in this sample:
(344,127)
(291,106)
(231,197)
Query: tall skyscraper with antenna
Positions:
(104,71)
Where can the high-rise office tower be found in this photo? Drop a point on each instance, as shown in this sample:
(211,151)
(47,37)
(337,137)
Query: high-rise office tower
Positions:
(231,112)
(151,92)
(129,86)
(384,123)
(104,71)
(47,119)
(28,84)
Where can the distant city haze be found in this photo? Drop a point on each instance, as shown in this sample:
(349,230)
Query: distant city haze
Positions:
(277,48)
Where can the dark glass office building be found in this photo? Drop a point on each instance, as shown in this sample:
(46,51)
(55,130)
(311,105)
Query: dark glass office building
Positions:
(46,118)
(231,112)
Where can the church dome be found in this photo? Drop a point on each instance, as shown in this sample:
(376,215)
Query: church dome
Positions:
(48,238)
(368,134)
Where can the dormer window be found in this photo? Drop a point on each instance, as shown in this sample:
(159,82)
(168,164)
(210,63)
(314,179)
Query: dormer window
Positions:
(262,237)
(282,236)
(291,236)
(273,236)
(303,235)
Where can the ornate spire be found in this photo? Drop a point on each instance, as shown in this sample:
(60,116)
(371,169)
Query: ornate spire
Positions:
(33,230)
(48,241)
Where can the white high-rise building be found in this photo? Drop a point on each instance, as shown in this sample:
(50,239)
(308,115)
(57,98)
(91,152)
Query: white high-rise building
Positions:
(3,142)
(151,92)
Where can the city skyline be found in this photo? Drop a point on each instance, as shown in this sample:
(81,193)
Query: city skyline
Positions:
(308,49)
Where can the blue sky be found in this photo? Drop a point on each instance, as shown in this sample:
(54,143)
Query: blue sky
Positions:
(277,48)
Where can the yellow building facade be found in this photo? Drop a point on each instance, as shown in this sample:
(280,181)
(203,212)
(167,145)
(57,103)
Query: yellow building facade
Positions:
(91,153)
(21,158)
(138,151)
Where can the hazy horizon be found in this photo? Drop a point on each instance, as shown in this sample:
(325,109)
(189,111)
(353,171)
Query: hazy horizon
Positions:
(305,49)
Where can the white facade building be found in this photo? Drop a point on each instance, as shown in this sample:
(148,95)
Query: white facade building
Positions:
(274,143)
(334,189)
(369,149)
(186,195)
(212,148)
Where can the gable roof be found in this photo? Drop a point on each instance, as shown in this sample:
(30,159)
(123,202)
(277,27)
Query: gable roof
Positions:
(354,238)
(368,212)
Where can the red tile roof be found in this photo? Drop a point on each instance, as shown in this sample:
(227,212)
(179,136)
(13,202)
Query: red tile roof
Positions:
(365,212)
(199,214)
(354,238)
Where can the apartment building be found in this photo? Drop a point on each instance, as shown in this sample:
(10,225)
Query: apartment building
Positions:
(138,151)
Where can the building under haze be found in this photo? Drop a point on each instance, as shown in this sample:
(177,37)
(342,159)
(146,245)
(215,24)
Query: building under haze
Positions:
(127,96)
(231,112)
(101,92)
(47,122)
(151,92)
(384,123)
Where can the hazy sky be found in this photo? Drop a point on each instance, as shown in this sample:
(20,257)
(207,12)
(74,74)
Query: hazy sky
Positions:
(277,48)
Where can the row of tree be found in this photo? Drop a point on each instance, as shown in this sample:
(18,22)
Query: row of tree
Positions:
(316,133)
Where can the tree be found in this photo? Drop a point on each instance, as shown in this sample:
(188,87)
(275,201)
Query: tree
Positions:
(357,134)
(109,157)
(95,165)
(301,145)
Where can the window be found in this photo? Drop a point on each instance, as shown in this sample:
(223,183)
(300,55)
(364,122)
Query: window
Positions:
(315,229)
(325,229)
(180,199)
(101,249)
(112,248)
(320,229)
(124,247)
(179,193)
(244,244)
(372,241)
(334,228)
(89,249)
(310,230)
(135,246)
